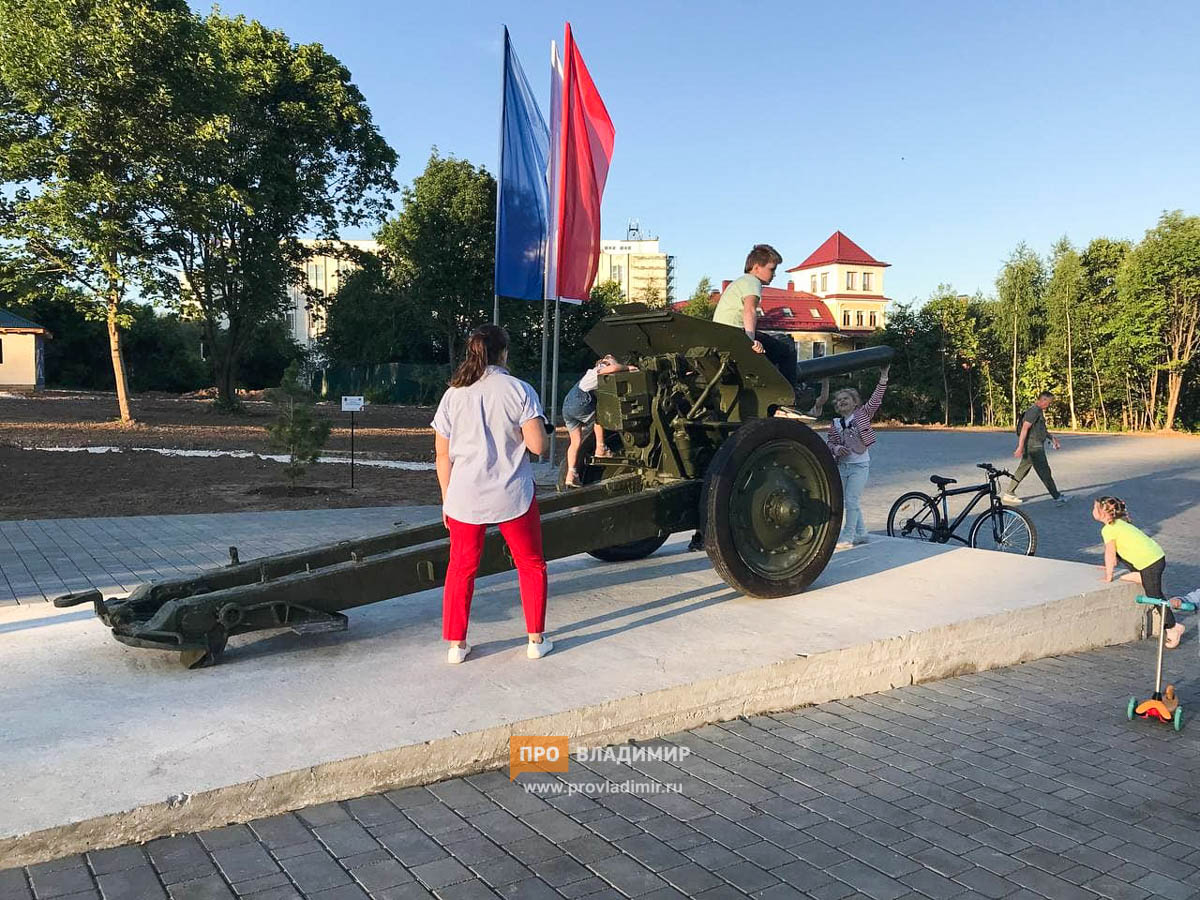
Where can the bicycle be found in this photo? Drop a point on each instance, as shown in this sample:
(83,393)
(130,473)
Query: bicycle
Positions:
(916,515)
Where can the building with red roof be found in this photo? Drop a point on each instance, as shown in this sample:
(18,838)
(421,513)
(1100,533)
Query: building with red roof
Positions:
(832,302)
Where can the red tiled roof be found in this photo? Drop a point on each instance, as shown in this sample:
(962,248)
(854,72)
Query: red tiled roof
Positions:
(838,249)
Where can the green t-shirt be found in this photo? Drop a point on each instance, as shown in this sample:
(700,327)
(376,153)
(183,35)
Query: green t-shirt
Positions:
(729,307)
(1133,545)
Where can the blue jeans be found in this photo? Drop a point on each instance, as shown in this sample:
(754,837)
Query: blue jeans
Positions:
(579,409)
(854,479)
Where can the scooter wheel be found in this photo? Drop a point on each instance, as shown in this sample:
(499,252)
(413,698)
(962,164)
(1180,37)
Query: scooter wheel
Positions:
(1177,719)
(1131,707)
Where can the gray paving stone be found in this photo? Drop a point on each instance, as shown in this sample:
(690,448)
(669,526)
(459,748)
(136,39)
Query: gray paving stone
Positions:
(345,838)
(223,838)
(245,862)
(57,883)
(140,883)
(627,875)
(466,890)
(102,862)
(14,885)
(442,872)
(212,887)
(412,847)
(314,872)
(281,831)
(868,881)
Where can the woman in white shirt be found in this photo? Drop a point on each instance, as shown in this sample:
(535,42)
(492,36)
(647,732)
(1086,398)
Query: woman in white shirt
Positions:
(486,422)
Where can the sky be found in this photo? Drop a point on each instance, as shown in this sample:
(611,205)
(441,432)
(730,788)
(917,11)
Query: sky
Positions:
(936,135)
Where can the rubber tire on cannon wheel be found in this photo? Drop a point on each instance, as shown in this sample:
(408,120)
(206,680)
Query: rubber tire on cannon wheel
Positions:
(934,521)
(779,461)
(591,474)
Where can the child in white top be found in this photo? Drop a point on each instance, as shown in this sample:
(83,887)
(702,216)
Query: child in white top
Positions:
(579,412)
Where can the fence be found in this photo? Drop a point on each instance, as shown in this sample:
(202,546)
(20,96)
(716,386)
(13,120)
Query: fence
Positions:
(411,383)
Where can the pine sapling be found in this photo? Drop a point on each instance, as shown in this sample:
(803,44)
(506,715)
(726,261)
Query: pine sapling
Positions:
(297,431)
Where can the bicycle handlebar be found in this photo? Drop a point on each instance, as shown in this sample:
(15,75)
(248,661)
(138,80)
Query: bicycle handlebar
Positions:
(992,471)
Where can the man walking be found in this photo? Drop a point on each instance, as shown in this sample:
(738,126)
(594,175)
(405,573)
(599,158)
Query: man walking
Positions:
(1031,450)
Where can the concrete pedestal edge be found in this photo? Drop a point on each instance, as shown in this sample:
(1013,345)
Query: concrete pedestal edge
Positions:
(1099,618)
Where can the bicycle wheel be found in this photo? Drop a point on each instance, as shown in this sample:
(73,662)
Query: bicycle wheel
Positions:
(915,516)
(1007,530)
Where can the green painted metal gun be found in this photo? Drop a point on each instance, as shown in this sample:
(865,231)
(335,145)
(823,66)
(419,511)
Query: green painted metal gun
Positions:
(693,443)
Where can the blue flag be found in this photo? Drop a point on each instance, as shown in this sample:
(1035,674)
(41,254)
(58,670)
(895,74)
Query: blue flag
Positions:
(522,204)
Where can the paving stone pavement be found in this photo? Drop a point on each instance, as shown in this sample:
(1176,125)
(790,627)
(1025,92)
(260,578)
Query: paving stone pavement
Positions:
(41,559)
(1019,783)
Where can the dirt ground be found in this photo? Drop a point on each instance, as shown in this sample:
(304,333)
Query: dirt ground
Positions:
(37,483)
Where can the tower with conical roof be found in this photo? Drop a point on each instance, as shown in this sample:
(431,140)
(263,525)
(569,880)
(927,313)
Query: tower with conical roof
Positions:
(850,282)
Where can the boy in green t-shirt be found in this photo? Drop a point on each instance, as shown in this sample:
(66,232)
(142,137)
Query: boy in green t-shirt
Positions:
(738,308)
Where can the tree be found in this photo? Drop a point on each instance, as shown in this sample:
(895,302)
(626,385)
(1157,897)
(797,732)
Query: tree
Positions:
(1021,286)
(1161,277)
(607,295)
(443,242)
(1100,263)
(701,304)
(93,95)
(651,296)
(297,431)
(289,146)
(1063,292)
(957,346)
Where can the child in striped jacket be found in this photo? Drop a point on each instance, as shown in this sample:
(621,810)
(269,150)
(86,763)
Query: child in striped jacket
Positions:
(850,440)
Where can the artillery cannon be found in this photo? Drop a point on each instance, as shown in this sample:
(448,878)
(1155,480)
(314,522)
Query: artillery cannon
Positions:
(694,444)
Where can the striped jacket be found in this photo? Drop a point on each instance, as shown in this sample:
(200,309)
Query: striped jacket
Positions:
(856,435)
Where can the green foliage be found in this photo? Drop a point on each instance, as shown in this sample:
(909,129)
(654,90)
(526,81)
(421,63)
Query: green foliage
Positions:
(441,245)
(701,304)
(607,295)
(286,146)
(93,99)
(296,431)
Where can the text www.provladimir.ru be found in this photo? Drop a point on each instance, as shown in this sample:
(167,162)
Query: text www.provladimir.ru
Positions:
(589,788)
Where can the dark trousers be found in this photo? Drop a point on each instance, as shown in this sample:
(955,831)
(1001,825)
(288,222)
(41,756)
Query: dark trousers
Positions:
(1034,457)
(782,354)
(1152,586)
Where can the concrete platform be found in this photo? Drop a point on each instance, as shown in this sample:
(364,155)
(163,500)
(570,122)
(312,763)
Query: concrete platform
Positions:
(103,744)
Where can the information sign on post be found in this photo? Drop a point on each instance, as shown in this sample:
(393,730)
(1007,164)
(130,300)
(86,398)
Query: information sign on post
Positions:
(352,405)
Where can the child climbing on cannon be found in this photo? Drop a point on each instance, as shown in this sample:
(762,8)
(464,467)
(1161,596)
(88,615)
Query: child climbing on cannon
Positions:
(579,412)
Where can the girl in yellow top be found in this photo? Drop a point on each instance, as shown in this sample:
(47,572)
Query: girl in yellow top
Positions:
(1140,552)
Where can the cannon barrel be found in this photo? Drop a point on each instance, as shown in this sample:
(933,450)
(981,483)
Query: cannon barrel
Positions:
(842,363)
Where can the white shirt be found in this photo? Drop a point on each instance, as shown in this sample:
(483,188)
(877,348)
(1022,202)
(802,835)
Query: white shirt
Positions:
(591,379)
(490,477)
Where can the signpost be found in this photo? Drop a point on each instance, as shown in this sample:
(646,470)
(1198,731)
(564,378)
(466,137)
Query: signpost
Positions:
(352,405)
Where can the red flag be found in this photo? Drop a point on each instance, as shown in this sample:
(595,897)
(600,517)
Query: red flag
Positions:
(585,151)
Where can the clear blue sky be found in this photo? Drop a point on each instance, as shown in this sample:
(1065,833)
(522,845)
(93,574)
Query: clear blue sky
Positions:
(936,135)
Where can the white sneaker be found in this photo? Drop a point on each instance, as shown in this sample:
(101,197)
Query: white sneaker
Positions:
(455,655)
(1061,500)
(537,651)
(843,545)
(861,540)
(1011,499)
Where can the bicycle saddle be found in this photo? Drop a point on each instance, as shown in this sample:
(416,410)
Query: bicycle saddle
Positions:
(942,481)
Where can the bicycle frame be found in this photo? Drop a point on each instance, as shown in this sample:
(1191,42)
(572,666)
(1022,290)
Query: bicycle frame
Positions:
(946,528)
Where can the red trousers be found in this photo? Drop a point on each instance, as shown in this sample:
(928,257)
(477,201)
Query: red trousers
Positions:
(524,538)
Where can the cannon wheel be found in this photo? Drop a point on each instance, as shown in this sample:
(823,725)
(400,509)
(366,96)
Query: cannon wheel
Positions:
(590,474)
(771,509)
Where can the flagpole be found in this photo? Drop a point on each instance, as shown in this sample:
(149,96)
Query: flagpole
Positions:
(500,172)
(554,374)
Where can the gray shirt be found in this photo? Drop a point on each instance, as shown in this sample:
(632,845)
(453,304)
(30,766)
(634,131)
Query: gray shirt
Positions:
(1037,427)
(490,477)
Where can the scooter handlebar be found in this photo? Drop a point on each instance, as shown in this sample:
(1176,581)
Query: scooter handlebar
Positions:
(1154,601)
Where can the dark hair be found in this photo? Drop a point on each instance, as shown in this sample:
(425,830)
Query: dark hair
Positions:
(1115,507)
(1046,395)
(762,255)
(485,346)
